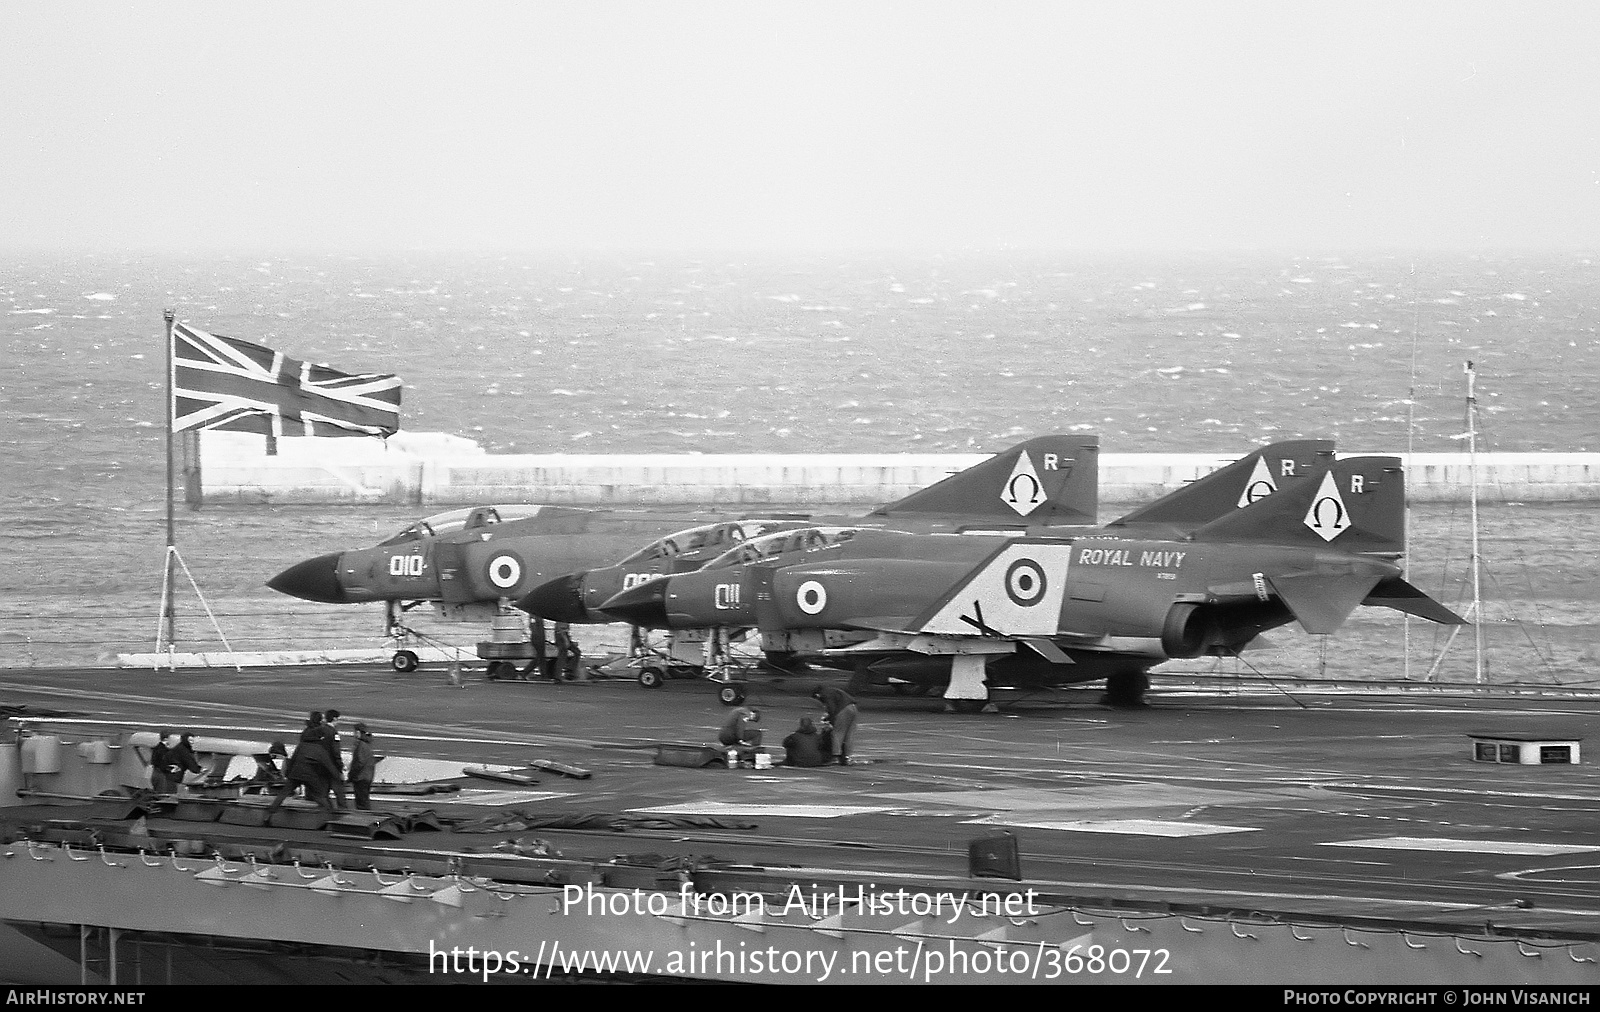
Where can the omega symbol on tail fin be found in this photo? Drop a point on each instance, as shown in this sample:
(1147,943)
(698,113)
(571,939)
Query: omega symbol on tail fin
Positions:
(1259,486)
(1024,492)
(1328,517)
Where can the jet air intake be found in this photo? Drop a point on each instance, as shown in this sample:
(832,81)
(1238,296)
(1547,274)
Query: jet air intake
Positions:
(644,605)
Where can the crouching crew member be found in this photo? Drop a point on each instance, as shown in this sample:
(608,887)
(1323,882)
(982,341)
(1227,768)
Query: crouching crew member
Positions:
(805,747)
(740,733)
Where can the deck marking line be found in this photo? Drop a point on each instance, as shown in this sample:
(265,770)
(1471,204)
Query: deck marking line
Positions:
(1134,827)
(730,808)
(470,797)
(1466,846)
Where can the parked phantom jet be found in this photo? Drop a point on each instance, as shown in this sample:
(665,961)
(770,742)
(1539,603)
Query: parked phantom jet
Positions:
(984,610)
(470,563)
(576,598)
(720,619)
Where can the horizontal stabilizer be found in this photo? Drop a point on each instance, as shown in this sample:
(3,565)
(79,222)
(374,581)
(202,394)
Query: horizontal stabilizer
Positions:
(1321,602)
(1401,596)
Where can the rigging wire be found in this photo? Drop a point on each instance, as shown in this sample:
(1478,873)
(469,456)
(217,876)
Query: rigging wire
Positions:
(1236,655)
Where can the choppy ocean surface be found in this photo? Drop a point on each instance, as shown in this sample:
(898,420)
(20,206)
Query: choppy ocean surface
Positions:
(845,354)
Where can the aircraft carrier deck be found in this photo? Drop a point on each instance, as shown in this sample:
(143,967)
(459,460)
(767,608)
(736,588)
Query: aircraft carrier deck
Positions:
(1221,835)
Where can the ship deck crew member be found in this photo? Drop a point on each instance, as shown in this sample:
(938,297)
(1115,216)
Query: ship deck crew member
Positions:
(805,747)
(842,713)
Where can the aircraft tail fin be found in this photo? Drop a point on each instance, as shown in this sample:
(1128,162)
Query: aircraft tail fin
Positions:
(1354,505)
(1046,480)
(1249,479)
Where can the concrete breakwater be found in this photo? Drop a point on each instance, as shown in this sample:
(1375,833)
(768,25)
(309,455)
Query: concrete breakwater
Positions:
(434,469)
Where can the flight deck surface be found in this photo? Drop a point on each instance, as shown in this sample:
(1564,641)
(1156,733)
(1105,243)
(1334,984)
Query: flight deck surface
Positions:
(1338,809)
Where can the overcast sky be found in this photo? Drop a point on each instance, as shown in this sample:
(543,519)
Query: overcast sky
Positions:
(799,125)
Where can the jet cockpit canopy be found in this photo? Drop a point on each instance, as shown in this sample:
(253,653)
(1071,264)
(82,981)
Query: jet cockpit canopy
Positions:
(782,545)
(714,538)
(462,519)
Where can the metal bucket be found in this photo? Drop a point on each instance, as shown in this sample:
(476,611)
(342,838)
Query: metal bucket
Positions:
(41,753)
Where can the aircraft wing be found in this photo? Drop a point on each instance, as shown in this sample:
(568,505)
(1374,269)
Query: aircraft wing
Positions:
(1401,596)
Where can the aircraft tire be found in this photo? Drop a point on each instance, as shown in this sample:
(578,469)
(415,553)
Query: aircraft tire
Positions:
(404,661)
(968,705)
(652,678)
(730,695)
(1125,690)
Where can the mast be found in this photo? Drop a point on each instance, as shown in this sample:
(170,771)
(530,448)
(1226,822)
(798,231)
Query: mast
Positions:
(168,586)
(1411,439)
(1472,482)
(1475,609)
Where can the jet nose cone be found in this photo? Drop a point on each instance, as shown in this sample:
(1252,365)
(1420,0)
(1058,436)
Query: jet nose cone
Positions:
(644,605)
(560,600)
(312,580)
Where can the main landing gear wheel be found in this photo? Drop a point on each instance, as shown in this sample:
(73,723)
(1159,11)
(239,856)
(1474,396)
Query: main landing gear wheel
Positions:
(652,678)
(1125,690)
(731,695)
(968,705)
(404,660)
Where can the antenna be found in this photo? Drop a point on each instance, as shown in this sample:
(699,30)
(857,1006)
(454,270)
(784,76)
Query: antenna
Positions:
(1472,484)
(1411,438)
(1474,610)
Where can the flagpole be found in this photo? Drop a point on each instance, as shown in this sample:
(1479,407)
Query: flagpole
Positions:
(168,609)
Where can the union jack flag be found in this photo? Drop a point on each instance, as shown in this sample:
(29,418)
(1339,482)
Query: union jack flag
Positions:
(225,383)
